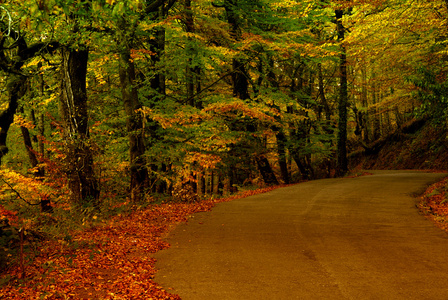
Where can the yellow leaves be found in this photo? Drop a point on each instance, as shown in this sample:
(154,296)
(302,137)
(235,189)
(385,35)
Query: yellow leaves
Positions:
(171,20)
(240,107)
(221,56)
(3,106)
(284,4)
(151,26)
(34,62)
(98,67)
(99,76)
(22,122)
(28,188)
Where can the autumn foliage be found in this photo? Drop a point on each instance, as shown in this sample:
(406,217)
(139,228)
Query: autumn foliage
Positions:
(434,203)
(109,108)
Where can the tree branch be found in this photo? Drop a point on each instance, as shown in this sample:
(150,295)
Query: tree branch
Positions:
(18,194)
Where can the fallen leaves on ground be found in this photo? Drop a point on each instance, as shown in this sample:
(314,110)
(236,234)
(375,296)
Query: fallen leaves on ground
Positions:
(434,203)
(112,261)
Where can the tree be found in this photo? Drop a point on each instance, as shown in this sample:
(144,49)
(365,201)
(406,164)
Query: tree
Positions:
(343,99)
(134,122)
(240,80)
(73,103)
(14,54)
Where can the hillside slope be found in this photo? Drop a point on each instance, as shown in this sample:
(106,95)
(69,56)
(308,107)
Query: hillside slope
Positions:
(416,145)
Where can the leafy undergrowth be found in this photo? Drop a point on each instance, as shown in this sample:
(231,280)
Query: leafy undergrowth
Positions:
(434,203)
(111,261)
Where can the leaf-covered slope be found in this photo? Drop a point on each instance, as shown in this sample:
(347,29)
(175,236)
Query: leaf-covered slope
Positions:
(417,145)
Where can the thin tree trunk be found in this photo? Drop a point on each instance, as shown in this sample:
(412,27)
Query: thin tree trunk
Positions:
(27,141)
(323,99)
(279,134)
(134,126)
(342,161)
(281,149)
(376,123)
(216,179)
(365,104)
(193,84)
(29,148)
(41,119)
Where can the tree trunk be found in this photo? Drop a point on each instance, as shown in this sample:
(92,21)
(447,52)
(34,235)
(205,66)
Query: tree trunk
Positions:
(376,122)
(281,149)
(192,72)
(73,105)
(134,125)
(266,171)
(158,87)
(16,90)
(27,141)
(216,180)
(29,148)
(323,99)
(342,161)
(41,119)
(365,104)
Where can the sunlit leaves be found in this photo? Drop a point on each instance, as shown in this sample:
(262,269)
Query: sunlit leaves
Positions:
(242,109)
(28,190)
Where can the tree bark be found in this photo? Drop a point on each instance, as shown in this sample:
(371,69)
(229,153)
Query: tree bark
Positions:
(29,148)
(342,162)
(281,149)
(134,125)
(82,181)
(193,72)
(279,134)
(323,99)
(365,104)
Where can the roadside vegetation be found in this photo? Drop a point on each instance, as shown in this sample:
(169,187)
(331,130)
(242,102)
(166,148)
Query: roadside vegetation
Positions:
(434,204)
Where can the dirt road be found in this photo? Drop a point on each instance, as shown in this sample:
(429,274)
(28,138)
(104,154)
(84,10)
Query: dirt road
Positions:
(358,238)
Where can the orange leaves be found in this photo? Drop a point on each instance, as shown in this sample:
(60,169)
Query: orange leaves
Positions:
(11,216)
(238,106)
(206,161)
(112,261)
(234,108)
(108,262)
(141,53)
(22,122)
(434,203)
(249,39)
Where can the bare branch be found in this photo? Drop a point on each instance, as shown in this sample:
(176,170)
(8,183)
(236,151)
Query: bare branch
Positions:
(9,19)
(18,194)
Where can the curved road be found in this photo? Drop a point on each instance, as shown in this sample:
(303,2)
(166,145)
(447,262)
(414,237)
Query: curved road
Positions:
(358,238)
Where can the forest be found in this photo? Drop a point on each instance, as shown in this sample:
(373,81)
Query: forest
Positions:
(108,105)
